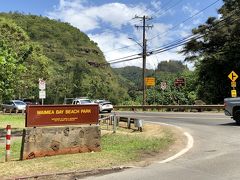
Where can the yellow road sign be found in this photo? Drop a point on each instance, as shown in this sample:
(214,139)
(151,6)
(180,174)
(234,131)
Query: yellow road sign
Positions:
(233,84)
(233,76)
(150,81)
(234,93)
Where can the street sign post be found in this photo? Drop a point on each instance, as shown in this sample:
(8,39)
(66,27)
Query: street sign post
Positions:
(234,93)
(233,76)
(179,82)
(42,87)
(150,81)
(163,85)
(233,84)
(41,84)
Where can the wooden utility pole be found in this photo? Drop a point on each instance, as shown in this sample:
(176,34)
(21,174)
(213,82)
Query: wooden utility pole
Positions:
(144,54)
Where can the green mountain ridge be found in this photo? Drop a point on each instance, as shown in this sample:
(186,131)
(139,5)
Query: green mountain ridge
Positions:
(67,52)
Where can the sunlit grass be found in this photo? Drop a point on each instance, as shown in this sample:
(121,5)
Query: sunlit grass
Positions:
(119,148)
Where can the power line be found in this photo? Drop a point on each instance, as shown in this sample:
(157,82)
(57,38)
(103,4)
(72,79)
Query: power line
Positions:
(178,43)
(185,20)
(164,12)
(200,11)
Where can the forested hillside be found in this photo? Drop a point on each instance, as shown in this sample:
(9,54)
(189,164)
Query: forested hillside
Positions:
(57,52)
(167,72)
(216,53)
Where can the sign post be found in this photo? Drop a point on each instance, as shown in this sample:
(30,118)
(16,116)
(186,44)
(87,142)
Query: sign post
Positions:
(150,81)
(42,87)
(233,77)
(163,85)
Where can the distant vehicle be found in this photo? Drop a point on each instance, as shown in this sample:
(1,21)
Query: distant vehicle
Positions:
(104,105)
(82,101)
(30,101)
(14,105)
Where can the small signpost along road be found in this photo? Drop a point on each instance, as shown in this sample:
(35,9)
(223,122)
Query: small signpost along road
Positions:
(233,77)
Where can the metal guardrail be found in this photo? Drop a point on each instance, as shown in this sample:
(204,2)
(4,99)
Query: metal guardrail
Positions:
(198,108)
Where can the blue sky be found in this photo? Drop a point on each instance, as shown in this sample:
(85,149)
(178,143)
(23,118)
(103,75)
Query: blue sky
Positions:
(110,23)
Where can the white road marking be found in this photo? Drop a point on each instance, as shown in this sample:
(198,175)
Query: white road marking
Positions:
(183,151)
(177,117)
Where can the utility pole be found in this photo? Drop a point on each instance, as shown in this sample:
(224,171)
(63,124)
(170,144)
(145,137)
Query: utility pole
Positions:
(144,53)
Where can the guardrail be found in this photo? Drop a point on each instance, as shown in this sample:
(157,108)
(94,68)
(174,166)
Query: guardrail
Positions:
(180,108)
(113,121)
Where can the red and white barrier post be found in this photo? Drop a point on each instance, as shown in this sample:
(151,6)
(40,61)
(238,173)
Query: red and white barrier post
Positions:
(8,143)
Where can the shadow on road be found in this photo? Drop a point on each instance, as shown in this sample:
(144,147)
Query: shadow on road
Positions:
(229,124)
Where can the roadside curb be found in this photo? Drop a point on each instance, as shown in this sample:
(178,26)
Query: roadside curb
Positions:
(75,174)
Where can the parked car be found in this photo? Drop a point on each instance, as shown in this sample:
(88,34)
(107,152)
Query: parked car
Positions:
(30,101)
(82,101)
(104,105)
(14,105)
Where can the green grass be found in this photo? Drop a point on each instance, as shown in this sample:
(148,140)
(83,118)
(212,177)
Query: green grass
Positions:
(117,149)
(17,121)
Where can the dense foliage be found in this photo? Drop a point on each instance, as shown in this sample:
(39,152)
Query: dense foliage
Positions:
(167,71)
(21,61)
(217,53)
(58,53)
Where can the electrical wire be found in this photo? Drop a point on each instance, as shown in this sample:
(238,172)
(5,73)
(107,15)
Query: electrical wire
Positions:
(184,21)
(175,45)
(164,12)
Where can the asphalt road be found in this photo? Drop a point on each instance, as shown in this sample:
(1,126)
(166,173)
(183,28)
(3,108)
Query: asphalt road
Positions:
(215,154)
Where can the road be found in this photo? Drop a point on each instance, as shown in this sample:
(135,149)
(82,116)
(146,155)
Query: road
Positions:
(215,154)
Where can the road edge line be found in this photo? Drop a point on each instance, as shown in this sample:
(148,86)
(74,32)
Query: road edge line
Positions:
(183,151)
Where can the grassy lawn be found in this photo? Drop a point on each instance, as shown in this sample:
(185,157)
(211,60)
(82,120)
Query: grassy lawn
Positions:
(17,121)
(117,149)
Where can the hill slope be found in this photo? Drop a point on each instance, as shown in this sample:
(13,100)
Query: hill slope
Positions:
(68,51)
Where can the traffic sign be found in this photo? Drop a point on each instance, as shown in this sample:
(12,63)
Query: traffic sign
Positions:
(150,81)
(163,85)
(233,76)
(179,82)
(234,93)
(233,84)
(42,84)
(42,94)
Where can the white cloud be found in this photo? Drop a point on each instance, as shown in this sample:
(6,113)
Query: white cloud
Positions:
(106,24)
(156,4)
(87,17)
(189,10)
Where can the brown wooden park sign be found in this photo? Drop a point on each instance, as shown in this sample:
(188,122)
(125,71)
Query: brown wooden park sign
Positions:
(57,115)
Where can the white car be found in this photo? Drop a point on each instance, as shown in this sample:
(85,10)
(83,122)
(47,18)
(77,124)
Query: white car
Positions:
(82,101)
(104,105)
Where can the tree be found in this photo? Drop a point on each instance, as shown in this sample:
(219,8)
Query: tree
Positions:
(27,62)
(10,71)
(171,66)
(217,53)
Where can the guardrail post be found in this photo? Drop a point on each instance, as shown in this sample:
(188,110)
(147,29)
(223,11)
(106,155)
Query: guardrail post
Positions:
(129,123)
(8,143)
(114,123)
(139,124)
